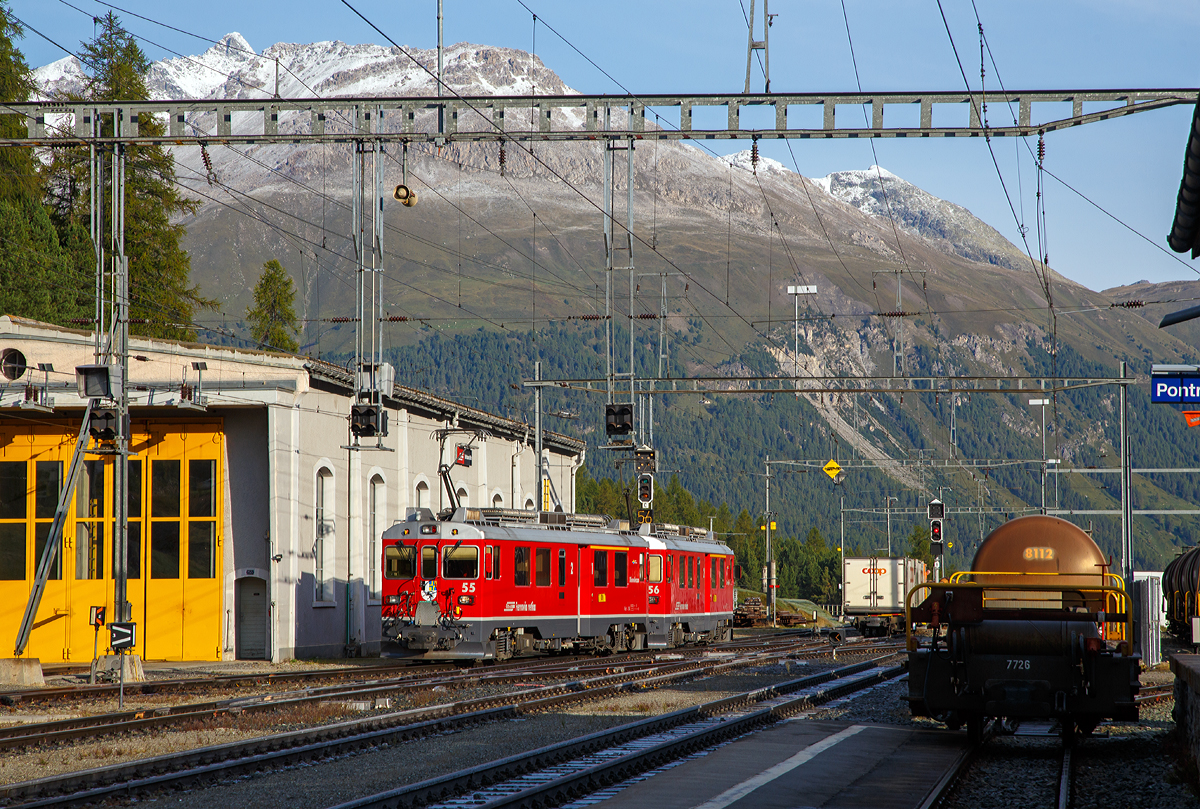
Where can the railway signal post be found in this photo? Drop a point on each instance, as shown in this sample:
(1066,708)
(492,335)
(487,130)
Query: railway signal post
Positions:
(937,542)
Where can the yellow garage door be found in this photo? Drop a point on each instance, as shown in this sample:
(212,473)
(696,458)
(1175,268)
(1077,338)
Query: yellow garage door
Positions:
(175,529)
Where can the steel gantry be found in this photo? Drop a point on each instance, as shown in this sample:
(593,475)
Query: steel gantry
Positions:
(576,117)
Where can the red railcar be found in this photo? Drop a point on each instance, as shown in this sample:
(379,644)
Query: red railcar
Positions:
(493,583)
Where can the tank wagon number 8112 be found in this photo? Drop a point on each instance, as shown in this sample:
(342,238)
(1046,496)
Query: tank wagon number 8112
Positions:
(1037,629)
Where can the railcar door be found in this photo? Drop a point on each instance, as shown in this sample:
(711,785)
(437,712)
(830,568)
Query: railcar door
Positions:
(428,561)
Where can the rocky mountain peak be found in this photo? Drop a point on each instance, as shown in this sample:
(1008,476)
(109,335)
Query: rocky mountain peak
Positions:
(951,228)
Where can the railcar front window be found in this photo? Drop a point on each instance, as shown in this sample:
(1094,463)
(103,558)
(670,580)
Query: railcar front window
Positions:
(521,567)
(461,562)
(600,568)
(429,562)
(620,568)
(542,566)
(399,562)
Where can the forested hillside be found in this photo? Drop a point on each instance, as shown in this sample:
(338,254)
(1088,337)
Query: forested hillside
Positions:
(716,448)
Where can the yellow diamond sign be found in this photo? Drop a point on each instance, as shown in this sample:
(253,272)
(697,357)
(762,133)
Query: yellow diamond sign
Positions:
(832,468)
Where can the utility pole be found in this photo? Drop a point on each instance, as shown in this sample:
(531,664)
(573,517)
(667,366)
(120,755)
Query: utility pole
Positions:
(1127,563)
(796,292)
(1043,403)
(842,554)
(440,91)
(770,561)
(611,247)
(753,45)
(889,522)
(537,426)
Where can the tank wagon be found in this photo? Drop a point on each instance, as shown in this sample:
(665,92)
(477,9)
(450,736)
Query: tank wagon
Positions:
(1181,589)
(490,584)
(1037,629)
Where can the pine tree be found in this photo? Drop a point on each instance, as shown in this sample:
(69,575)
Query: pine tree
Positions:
(163,300)
(273,316)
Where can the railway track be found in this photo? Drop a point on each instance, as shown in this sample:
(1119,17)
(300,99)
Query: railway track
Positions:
(281,749)
(567,771)
(1046,767)
(215,682)
(25,735)
(206,683)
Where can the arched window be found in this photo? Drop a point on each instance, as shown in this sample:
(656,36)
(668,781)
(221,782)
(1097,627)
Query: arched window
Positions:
(323,541)
(529,504)
(423,495)
(462,497)
(497,501)
(377,517)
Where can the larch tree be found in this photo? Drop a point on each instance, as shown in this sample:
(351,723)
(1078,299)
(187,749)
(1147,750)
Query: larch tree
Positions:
(163,301)
(45,272)
(273,317)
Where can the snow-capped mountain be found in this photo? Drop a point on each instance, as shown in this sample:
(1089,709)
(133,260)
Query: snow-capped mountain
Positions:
(683,192)
(952,228)
(58,79)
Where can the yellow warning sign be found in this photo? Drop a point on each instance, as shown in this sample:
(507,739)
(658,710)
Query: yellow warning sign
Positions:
(832,468)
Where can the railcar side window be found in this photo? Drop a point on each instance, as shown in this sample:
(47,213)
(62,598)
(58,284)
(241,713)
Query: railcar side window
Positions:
(562,568)
(496,562)
(429,562)
(600,568)
(487,561)
(715,581)
(461,562)
(722,572)
(521,567)
(399,562)
(691,563)
(654,569)
(669,567)
(620,568)
(541,560)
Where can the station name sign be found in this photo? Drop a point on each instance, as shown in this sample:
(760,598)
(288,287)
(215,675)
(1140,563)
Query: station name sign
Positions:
(1175,384)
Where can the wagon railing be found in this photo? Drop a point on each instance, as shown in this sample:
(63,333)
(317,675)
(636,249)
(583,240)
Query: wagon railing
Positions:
(1105,604)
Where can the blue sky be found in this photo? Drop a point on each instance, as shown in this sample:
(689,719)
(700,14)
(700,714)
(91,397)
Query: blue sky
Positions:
(1131,166)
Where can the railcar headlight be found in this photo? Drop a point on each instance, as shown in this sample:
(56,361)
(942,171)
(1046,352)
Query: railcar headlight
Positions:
(392,599)
(466,600)
(653,599)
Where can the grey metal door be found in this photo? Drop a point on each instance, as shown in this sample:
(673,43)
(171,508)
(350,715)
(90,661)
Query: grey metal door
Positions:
(251,618)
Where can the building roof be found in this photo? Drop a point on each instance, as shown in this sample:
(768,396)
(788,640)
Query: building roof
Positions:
(1185,231)
(157,356)
(447,409)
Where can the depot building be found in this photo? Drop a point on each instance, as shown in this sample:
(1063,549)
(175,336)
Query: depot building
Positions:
(253,525)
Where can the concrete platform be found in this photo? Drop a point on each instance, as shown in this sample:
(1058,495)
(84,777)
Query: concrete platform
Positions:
(806,763)
(1186,668)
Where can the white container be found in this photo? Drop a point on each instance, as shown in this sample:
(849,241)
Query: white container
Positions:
(875,585)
